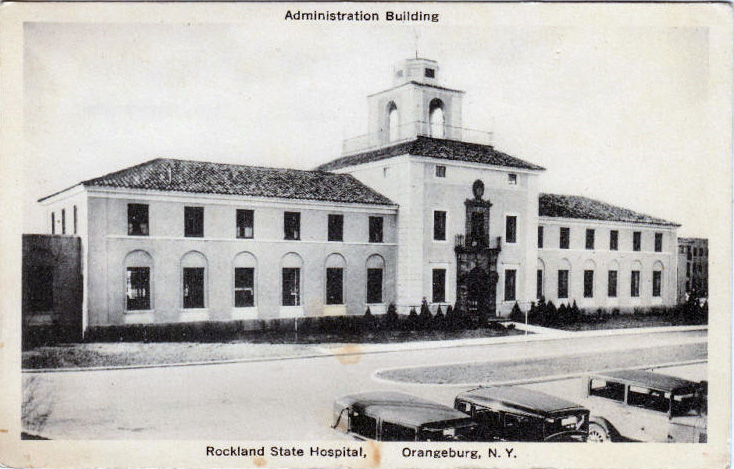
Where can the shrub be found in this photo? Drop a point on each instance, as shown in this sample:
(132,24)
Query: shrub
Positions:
(425,317)
(438,319)
(391,317)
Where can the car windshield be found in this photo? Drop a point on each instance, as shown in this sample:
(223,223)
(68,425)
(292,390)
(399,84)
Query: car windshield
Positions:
(466,432)
(686,404)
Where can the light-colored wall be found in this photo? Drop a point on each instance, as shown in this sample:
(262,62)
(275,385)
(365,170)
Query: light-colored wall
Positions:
(109,245)
(601,259)
(418,253)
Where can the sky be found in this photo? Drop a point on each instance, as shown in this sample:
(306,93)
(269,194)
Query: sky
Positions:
(618,109)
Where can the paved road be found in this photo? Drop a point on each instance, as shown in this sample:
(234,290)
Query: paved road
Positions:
(281,399)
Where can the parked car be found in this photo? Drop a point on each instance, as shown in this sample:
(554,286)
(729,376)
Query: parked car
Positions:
(644,406)
(513,413)
(395,416)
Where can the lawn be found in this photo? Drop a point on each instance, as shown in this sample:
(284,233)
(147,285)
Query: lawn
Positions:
(264,345)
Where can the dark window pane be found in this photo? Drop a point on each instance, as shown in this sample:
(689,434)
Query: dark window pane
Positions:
(607,390)
(245,223)
(563,284)
(193,287)
(635,283)
(137,219)
(336,228)
(636,241)
(511,229)
(375,229)
(565,238)
(194,222)
(430,73)
(40,288)
(291,287)
(244,287)
(657,283)
(76,220)
(613,240)
(53,224)
(588,283)
(374,285)
(439,225)
(63,221)
(612,284)
(658,242)
(477,229)
(292,225)
(138,288)
(334,286)
(539,284)
(540,236)
(590,238)
(510,275)
(439,285)
(440,171)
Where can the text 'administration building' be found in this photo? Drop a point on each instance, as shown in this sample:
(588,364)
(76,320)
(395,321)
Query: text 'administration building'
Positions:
(417,208)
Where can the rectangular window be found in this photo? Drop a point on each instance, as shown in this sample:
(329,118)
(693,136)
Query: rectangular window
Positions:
(477,228)
(688,269)
(374,285)
(512,179)
(613,240)
(439,225)
(336,228)
(588,283)
(53,226)
(244,287)
(565,238)
(334,286)
(292,225)
(440,171)
(636,241)
(612,284)
(375,229)
(540,237)
(562,284)
(511,229)
(539,284)
(291,287)
(137,220)
(40,288)
(193,287)
(245,224)
(510,277)
(76,221)
(658,242)
(63,221)
(138,288)
(635,284)
(430,73)
(657,283)
(194,222)
(439,285)
(590,232)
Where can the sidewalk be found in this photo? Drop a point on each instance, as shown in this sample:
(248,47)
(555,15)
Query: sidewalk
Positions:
(345,351)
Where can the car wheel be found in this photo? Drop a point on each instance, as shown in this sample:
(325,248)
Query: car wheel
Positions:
(598,434)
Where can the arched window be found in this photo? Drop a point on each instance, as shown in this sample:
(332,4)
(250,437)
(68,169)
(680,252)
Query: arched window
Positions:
(138,266)
(194,280)
(375,278)
(291,265)
(393,122)
(335,267)
(244,280)
(436,118)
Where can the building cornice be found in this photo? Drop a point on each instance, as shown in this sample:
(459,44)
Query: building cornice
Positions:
(589,221)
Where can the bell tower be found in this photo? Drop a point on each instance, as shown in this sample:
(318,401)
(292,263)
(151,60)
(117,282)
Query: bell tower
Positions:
(415,105)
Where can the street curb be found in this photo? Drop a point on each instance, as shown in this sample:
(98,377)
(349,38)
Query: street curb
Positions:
(387,348)
(543,379)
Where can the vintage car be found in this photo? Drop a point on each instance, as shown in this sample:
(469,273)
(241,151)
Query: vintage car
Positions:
(513,413)
(635,405)
(395,416)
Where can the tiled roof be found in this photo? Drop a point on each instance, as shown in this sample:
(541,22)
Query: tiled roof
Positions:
(576,206)
(231,179)
(451,150)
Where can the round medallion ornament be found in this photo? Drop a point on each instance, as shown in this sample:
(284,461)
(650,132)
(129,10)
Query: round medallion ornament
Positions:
(478,189)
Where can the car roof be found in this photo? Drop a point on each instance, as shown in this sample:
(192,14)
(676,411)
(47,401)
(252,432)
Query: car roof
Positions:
(649,379)
(524,399)
(398,407)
